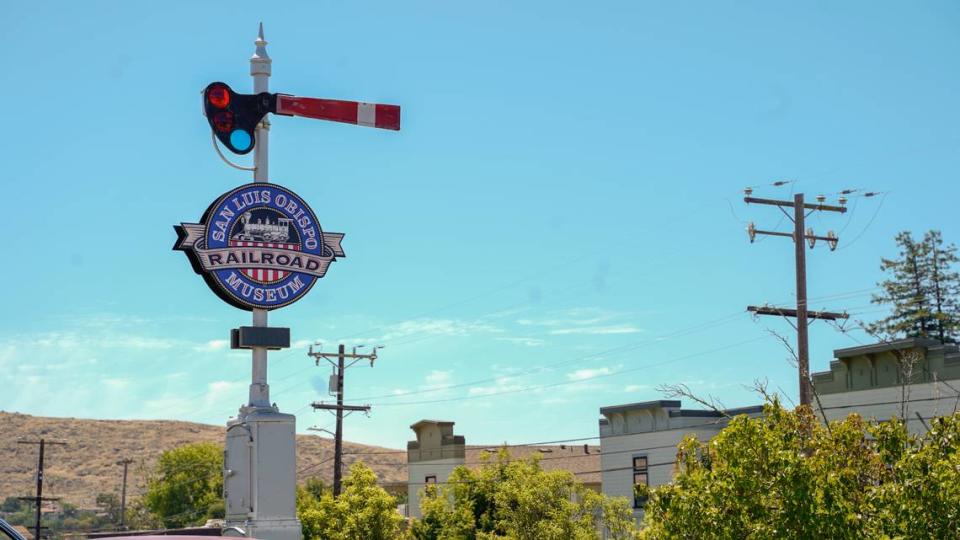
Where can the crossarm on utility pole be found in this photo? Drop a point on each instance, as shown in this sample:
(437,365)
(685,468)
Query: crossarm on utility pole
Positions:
(331,407)
(808,206)
(790,235)
(787,312)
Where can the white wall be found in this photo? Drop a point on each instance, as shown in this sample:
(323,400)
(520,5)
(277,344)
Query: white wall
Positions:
(928,399)
(660,447)
(416,475)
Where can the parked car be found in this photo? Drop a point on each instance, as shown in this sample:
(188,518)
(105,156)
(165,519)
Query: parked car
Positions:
(7,532)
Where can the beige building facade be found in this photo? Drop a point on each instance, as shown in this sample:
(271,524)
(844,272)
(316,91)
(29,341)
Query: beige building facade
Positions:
(915,379)
(431,458)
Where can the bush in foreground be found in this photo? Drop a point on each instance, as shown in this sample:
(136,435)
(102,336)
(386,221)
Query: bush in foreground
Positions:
(785,475)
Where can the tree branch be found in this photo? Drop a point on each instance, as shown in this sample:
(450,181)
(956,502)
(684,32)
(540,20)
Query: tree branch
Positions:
(682,390)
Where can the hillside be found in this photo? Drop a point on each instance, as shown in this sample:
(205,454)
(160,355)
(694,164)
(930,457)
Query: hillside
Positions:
(87,465)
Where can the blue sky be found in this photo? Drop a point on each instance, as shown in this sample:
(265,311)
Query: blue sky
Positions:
(557,227)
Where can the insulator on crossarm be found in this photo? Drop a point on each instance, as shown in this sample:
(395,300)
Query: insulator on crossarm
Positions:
(751,232)
(833,240)
(748,191)
(811,239)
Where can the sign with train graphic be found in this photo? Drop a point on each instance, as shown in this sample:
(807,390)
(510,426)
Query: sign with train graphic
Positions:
(259,246)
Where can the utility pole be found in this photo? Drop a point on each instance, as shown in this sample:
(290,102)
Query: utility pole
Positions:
(799,235)
(123,493)
(39,498)
(337,380)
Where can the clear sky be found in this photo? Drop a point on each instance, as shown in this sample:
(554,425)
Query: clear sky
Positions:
(558,226)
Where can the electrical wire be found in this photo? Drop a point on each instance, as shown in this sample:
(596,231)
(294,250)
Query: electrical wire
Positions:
(540,369)
(869,223)
(569,382)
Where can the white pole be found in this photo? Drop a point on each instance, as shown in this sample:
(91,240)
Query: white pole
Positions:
(260,70)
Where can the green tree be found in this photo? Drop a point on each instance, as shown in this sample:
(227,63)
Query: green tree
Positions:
(907,291)
(517,499)
(785,475)
(363,511)
(316,487)
(944,286)
(186,486)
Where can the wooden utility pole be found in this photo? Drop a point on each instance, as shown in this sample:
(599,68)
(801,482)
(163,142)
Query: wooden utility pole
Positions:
(799,235)
(39,498)
(339,368)
(123,493)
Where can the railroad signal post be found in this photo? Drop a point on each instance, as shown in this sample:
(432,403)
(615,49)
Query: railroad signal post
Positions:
(260,247)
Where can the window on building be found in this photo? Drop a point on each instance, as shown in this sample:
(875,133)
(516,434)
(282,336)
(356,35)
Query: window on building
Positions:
(430,480)
(640,478)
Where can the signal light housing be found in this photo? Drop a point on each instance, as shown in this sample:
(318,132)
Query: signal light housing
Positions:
(234,117)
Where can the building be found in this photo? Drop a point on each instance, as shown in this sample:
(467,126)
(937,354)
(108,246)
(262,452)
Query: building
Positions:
(916,376)
(431,458)
(438,451)
(638,442)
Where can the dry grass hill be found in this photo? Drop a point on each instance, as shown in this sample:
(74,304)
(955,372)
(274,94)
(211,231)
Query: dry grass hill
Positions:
(87,465)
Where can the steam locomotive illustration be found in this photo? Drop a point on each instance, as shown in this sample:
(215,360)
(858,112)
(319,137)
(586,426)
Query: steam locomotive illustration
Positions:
(263,229)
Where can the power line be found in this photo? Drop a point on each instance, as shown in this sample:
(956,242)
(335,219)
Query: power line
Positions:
(549,367)
(633,346)
(869,223)
(571,382)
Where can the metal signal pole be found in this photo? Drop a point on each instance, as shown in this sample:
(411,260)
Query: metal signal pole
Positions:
(799,235)
(123,493)
(339,368)
(39,498)
(260,69)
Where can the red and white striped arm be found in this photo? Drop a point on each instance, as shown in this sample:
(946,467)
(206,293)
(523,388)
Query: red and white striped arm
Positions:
(349,112)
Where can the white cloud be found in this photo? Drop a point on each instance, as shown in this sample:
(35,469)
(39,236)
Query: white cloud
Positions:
(500,385)
(437,378)
(597,330)
(222,393)
(588,373)
(438,327)
(572,317)
(115,383)
(213,345)
(636,387)
(586,321)
(527,341)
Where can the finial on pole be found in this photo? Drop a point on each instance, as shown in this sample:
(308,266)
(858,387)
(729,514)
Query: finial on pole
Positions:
(260,61)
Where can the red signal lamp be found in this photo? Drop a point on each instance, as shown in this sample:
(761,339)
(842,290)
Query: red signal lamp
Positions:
(223,122)
(218,95)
